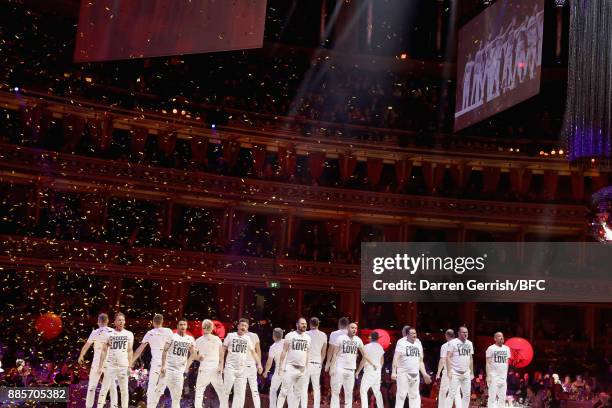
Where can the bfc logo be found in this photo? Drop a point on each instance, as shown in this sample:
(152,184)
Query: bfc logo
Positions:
(412,351)
(239,346)
(119,343)
(299,345)
(349,347)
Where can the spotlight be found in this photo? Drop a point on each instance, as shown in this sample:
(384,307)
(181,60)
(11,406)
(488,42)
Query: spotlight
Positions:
(174,110)
(16,89)
(561,151)
(213,126)
(403,55)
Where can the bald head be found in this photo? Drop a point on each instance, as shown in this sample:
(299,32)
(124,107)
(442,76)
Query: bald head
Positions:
(499,338)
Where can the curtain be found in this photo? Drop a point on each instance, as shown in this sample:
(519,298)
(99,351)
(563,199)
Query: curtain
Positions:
(375,166)
(347,166)
(316,164)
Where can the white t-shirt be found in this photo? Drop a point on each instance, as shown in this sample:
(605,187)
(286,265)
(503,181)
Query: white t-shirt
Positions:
(255,340)
(119,343)
(335,334)
(374,352)
(157,339)
(410,355)
(275,352)
(99,337)
(178,353)
(348,348)
(318,340)
(499,360)
(237,350)
(298,345)
(208,346)
(460,355)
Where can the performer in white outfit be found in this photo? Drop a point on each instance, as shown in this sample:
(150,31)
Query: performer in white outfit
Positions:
(119,348)
(209,352)
(343,364)
(460,368)
(155,338)
(371,376)
(441,374)
(343,323)
(238,347)
(97,339)
(251,368)
(178,354)
(274,357)
(407,363)
(293,362)
(498,356)
(318,342)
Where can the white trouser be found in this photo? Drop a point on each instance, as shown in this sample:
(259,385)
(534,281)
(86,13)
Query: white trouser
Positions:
(94,379)
(343,378)
(112,374)
(444,384)
(174,381)
(370,379)
(206,376)
(497,391)
(152,394)
(463,382)
(313,375)
(292,387)
(251,373)
(236,379)
(275,385)
(408,385)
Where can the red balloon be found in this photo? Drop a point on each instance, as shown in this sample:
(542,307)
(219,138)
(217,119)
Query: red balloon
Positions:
(49,325)
(522,352)
(219,329)
(196,328)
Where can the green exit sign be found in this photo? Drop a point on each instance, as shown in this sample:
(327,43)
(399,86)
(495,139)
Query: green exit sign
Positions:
(273,284)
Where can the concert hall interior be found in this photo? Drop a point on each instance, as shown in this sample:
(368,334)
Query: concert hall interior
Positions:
(242,182)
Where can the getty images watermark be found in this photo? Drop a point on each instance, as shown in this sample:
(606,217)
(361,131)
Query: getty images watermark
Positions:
(510,271)
(458,265)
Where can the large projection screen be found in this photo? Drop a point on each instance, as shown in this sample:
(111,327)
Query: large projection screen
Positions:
(499,57)
(123,29)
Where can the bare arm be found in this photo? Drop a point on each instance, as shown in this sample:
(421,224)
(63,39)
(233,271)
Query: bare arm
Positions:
(281,361)
(164,358)
(268,365)
(361,364)
(332,363)
(331,351)
(103,357)
(84,350)
(139,351)
(257,360)
(449,355)
(222,350)
(394,366)
(258,352)
(426,376)
(323,352)
(365,357)
(130,353)
(441,364)
(472,367)
(192,355)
